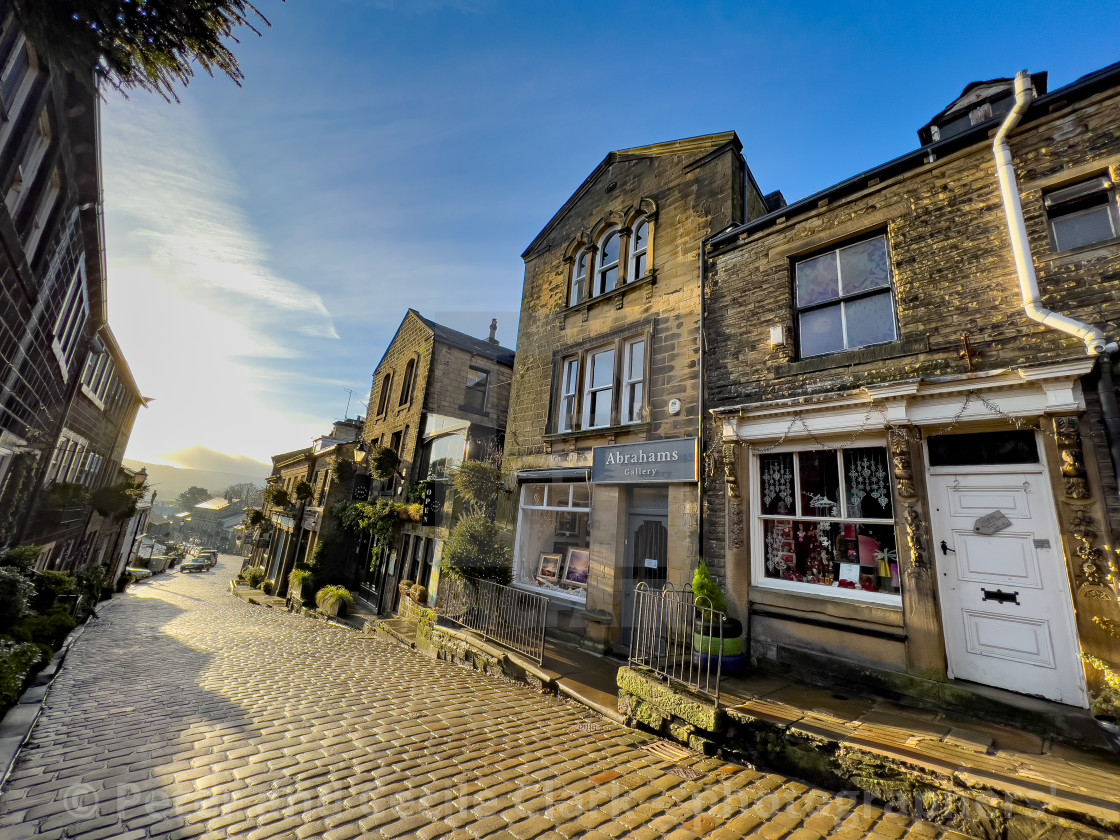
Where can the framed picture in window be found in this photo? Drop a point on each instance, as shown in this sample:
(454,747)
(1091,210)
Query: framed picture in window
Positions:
(566,524)
(548,568)
(578,567)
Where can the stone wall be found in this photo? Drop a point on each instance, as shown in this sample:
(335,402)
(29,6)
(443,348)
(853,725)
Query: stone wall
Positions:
(953,273)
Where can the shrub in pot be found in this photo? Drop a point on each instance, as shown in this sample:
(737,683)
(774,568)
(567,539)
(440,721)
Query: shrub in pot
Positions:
(268,586)
(418,593)
(254,576)
(710,626)
(296,581)
(334,600)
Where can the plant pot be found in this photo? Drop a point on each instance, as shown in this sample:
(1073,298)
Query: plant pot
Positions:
(731,651)
(1111,728)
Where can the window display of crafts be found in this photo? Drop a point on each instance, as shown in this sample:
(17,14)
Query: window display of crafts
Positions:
(828,519)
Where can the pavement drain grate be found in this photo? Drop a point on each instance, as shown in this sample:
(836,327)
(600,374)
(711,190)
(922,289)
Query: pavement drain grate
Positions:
(668,751)
(589,726)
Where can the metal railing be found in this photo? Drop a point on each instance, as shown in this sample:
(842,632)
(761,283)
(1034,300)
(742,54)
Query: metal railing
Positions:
(510,617)
(678,636)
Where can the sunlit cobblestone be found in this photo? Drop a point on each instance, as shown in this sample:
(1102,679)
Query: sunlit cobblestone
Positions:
(185,712)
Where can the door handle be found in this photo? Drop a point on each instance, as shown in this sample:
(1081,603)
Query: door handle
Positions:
(945,548)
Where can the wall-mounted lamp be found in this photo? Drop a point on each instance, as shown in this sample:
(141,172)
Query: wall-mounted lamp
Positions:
(360,452)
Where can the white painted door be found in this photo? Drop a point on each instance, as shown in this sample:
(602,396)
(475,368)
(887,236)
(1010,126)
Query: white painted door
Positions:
(1005,598)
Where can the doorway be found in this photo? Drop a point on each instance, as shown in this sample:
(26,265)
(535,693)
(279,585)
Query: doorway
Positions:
(1006,604)
(646,553)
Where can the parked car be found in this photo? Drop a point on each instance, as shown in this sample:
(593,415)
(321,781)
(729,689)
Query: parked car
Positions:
(194,564)
(138,573)
(209,556)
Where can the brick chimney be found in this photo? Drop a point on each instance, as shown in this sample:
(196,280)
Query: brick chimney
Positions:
(493,339)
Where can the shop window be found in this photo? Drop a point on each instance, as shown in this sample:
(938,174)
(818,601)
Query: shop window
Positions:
(475,397)
(554,538)
(1082,214)
(844,298)
(826,522)
(441,455)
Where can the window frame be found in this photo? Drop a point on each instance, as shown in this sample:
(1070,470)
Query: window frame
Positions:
(636,254)
(757,518)
(578,282)
(71,321)
(842,299)
(579,359)
(384,397)
(407,383)
(473,389)
(585,284)
(1057,204)
(602,268)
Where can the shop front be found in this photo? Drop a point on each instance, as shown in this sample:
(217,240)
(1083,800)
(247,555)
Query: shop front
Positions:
(587,536)
(918,532)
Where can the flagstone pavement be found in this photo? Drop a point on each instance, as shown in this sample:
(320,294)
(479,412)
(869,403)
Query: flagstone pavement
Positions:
(185,712)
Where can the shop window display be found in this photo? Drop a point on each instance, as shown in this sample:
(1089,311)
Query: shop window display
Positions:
(828,520)
(554,538)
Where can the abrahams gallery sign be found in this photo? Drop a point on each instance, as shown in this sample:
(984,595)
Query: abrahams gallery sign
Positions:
(654,462)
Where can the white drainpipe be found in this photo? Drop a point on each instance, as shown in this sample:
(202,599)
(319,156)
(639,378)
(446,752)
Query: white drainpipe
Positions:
(1095,341)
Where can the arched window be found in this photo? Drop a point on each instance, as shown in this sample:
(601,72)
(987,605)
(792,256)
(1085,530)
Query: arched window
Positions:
(607,275)
(639,243)
(383,400)
(579,278)
(406,383)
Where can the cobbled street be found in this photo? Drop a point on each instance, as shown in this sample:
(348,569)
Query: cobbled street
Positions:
(185,712)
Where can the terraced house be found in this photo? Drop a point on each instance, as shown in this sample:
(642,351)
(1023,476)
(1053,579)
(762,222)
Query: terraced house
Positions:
(602,450)
(67,398)
(439,396)
(912,374)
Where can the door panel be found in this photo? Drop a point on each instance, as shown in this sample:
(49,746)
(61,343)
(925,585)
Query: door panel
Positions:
(1005,598)
(1002,558)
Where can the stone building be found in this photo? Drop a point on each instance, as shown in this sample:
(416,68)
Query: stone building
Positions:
(439,396)
(917,482)
(66,398)
(605,417)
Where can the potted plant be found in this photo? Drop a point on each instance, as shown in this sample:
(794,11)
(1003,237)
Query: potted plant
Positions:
(254,576)
(334,600)
(296,581)
(714,632)
(268,586)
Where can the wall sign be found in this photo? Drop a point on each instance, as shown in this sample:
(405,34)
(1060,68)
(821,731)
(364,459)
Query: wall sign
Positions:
(991,523)
(653,462)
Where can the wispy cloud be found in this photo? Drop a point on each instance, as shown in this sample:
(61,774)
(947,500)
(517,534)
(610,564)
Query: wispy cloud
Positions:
(194,299)
(175,195)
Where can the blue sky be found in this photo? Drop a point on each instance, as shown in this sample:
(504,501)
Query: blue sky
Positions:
(264,242)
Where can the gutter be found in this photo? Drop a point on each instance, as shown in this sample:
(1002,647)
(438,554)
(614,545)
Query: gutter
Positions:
(1094,338)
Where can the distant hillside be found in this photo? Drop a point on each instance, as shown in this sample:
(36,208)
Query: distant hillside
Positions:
(169,482)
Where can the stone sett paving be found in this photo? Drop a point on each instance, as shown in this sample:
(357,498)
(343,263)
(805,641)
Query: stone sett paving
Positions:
(185,712)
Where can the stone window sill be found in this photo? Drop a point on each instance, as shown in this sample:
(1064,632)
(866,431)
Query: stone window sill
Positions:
(650,278)
(605,431)
(865,355)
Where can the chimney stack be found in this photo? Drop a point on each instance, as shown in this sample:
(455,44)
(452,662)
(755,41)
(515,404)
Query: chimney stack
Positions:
(493,339)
